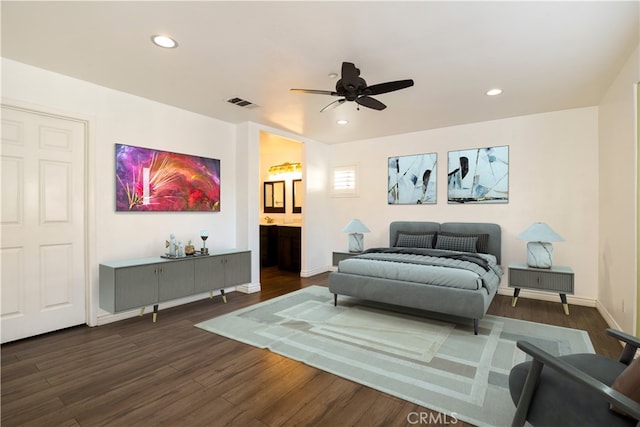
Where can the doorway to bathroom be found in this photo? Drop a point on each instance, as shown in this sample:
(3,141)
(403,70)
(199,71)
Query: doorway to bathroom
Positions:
(281,206)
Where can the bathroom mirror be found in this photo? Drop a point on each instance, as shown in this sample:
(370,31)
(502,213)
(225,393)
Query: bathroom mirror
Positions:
(297,196)
(274,200)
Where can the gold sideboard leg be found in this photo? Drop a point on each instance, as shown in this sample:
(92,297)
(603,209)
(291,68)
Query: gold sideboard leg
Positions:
(142,312)
(155,313)
(514,300)
(210,294)
(224,297)
(565,305)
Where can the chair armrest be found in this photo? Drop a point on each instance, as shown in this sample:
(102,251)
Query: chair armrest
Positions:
(631,344)
(621,401)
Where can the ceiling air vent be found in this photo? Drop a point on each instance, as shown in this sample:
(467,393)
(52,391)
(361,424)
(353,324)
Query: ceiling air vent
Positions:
(242,103)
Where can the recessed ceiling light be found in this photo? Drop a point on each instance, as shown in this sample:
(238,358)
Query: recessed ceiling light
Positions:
(493,92)
(164,41)
(333,75)
(342,122)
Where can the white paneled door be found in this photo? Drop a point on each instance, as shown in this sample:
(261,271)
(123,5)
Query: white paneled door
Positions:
(43,223)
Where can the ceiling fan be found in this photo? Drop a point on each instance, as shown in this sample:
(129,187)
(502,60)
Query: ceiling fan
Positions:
(352,87)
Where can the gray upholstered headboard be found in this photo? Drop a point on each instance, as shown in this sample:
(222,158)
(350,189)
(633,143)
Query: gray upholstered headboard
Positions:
(493,230)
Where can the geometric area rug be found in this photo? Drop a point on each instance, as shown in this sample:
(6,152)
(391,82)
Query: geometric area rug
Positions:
(439,364)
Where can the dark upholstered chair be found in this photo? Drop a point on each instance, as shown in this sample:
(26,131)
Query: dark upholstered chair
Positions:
(572,390)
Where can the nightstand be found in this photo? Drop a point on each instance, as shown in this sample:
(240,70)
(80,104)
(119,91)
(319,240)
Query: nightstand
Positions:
(340,255)
(555,279)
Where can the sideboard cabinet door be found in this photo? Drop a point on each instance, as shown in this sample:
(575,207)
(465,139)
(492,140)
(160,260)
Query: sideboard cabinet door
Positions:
(136,286)
(175,279)
(238,269)
(209,274)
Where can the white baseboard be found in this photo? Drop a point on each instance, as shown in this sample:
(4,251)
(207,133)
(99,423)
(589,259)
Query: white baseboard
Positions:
(110,318)
(249,288)
(313,272)
(549,296)
(608,317)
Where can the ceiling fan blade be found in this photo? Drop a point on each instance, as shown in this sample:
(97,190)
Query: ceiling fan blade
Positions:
(389,87)
(316,92)
(349,76)
(334,104)
(367,101)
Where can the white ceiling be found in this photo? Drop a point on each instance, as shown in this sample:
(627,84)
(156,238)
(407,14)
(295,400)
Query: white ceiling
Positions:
(546,56)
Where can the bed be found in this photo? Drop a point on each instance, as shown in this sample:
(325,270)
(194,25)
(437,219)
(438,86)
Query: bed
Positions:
(451,268)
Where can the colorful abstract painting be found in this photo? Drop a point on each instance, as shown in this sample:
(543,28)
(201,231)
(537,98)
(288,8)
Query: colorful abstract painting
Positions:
(412,179)
(153,180)
(480,175)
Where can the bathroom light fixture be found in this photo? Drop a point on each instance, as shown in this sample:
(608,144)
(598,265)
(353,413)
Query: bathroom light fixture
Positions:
(493,92)
(164,41)
(285,168)
(539,249)
(355,228)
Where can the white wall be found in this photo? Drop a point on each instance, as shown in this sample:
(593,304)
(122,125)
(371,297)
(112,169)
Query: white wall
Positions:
(618,255)
(553,178)
(116,117)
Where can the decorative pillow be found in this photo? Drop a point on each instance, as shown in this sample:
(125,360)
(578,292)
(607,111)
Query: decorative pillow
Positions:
(407,240)
(457,243)
(483,240)
(628,383)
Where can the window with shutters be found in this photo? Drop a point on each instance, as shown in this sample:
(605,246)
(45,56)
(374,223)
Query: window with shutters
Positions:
(344,181)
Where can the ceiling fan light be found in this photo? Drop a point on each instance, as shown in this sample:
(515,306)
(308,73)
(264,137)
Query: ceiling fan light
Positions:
(164,41)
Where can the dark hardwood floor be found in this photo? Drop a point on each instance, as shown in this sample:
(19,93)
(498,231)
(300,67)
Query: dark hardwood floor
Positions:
(135,372)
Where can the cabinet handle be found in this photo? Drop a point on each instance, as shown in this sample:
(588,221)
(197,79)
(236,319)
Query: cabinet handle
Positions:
(538,279)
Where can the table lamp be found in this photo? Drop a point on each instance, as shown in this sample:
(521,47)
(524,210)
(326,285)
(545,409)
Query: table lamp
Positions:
(355,228)
(539,248)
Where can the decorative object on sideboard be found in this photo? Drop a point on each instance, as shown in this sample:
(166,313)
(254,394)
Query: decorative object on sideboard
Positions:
(171,245)
(189,249)
(355,228)
(479,175)
(412,180)
(539,248)
(204,235)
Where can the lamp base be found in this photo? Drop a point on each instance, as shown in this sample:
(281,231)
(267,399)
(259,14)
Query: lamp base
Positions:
(356,242)
(539,254)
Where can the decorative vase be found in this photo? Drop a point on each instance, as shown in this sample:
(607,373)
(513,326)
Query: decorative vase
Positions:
(189,249)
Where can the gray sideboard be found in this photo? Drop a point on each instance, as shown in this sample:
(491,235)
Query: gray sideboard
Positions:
(137,283)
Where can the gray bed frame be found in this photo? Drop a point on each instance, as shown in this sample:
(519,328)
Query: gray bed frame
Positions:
(465,303)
